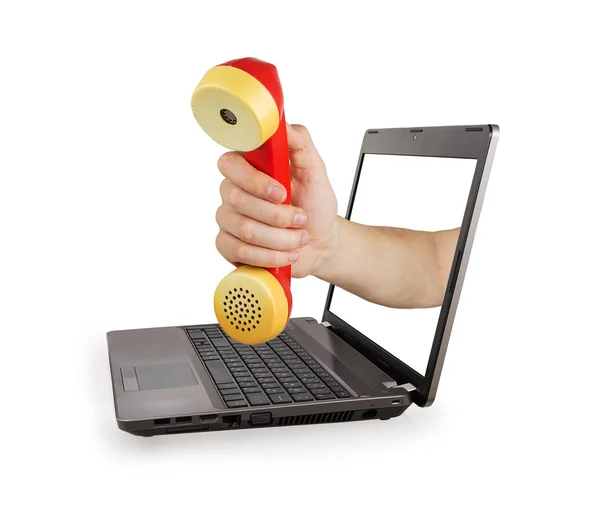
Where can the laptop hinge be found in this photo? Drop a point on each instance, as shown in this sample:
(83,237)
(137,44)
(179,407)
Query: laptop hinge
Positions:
(408,387)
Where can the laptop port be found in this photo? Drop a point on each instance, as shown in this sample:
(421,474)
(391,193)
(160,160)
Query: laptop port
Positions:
(165,421)
(209,418)
(261,419)
(230,421)
(185,420)
(369,414)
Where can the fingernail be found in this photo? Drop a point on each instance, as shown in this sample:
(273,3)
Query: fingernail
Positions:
(293,256)
(276,193)
(305,239)
(299,219)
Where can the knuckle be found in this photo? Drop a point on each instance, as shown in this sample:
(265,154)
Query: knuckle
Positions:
(226,162)
(280,218)
(246,231)
(224,188)
(235,198)
(301,129)
(223,161)
(240,252)
(273,259)
(219,215)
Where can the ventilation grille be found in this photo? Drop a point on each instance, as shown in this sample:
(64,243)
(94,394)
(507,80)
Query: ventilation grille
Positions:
(309,419)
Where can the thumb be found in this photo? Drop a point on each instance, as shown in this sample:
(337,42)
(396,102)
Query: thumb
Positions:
(306,163)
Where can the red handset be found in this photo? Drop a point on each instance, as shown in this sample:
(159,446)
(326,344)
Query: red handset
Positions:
(239,104)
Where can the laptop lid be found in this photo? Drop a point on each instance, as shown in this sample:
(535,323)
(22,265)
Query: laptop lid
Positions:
(423,179)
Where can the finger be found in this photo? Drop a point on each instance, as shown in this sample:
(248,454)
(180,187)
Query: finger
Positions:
(277,215)
(235,168)
(304,156)
(259,234)
(235,251)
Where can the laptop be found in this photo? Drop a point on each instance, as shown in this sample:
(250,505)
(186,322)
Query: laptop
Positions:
(362,360)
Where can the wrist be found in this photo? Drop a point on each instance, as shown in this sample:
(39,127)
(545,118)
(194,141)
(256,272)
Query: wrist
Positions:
(329,255)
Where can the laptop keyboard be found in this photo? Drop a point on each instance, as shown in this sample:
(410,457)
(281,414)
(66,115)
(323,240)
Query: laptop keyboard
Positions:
(277,371)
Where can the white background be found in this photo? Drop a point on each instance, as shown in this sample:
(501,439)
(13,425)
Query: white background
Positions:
(108,189)
(419,193)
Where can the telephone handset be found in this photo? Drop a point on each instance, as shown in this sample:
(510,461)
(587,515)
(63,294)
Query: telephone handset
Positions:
(239,104)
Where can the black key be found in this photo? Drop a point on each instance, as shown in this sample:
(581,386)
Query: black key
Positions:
(324,396)
(302,397)
(280,398)
(258,370)
(319,370)
(292,384)
(248,384)
(305,375)
(280,370)
(241,374)
(226,385)
(232,360)
(238,369)
(248,390)
(314,385)
(320,391)
(338,389)
(262,375)
(332,383)
(258,399)
(230,391)
(221,343)
(267,379)
(269,385)
(236,404)
(340,394)
(274,390)
(218,371)
(284,375)
(296,390)
(210,358)
(312,379)
(233,397)
(300,369)
(326,377)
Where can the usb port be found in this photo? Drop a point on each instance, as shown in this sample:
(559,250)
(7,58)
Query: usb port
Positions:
(208,418)
(184,420)
(165,421)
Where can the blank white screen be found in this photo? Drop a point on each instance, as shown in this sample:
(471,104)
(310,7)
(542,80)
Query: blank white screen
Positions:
(412,192)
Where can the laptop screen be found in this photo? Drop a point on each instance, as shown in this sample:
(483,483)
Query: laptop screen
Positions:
(426,196)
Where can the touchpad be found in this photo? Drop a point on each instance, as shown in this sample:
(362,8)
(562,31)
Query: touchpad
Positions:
(164,376)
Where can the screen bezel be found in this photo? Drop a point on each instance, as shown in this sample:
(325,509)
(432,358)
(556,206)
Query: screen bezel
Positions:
(469,142)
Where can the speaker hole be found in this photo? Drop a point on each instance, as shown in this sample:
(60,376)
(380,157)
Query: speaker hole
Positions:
(228,116)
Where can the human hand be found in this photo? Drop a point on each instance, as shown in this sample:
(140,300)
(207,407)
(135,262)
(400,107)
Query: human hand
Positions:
(256,229)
